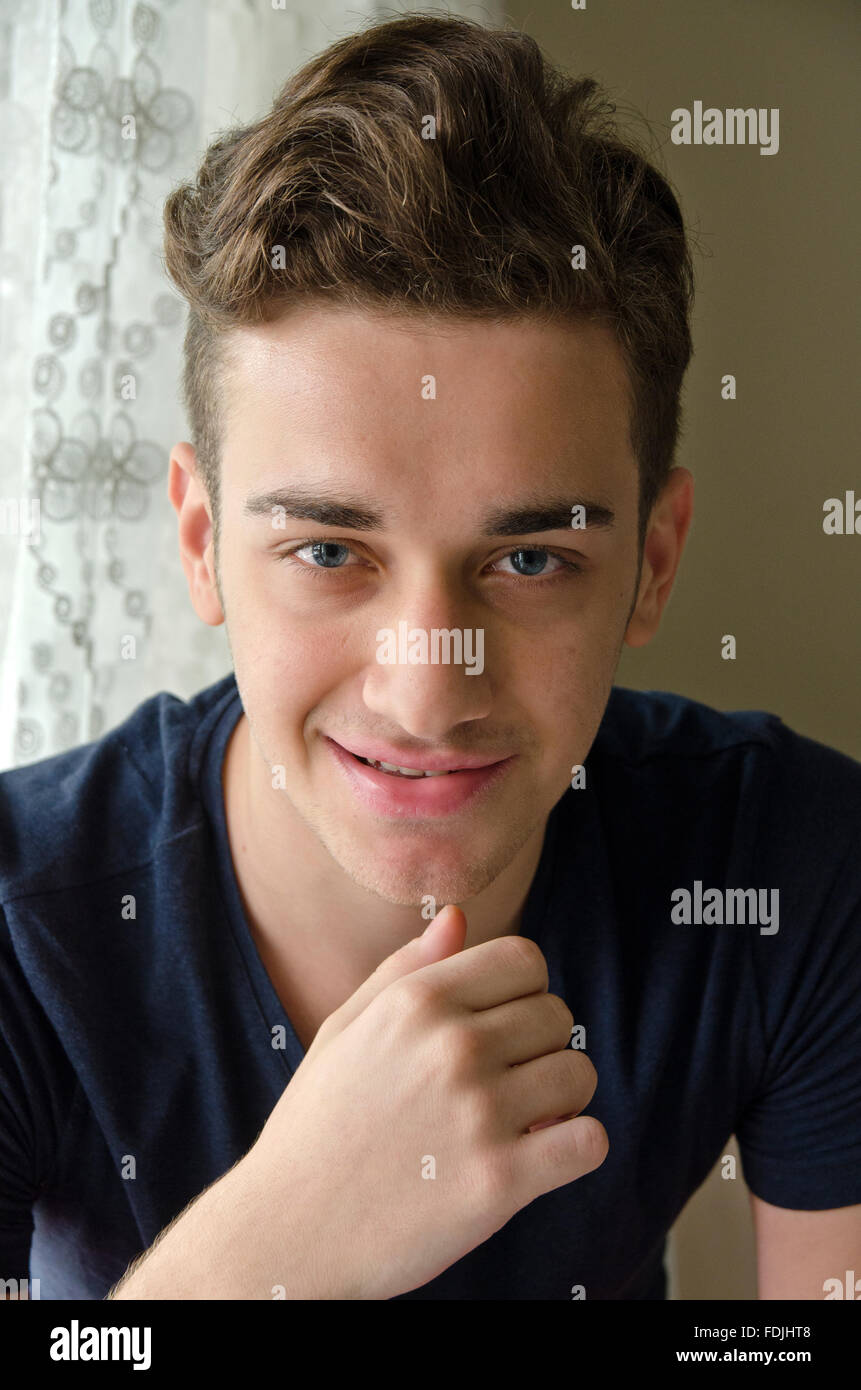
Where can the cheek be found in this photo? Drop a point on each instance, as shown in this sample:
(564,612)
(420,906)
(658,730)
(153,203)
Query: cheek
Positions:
(275,611)
(576,679)
(273,638)
(292,669)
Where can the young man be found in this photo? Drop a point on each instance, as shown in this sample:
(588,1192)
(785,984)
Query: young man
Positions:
(438,329)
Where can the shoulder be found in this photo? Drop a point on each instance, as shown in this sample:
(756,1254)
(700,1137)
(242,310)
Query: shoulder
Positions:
(98,809)
(685,791)
(643,725)
(661,738)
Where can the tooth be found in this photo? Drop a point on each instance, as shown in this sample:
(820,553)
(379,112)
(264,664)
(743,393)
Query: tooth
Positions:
(404,771)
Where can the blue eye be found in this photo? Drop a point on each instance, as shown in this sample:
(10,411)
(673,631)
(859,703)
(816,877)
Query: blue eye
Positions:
(322,552)
(536,557)
(535,562)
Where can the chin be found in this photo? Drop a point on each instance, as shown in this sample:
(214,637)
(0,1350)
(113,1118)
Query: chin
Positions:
(408,879)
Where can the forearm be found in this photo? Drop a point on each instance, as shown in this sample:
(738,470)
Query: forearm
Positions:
(225,1245)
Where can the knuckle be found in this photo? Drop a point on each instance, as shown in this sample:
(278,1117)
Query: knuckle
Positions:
(412,998)
(592,1141)
(462,1047)
(497,1179)
(583,1143)
(560,1011)
(479,1114)
(583,1068)
(521,950)
(570,1074)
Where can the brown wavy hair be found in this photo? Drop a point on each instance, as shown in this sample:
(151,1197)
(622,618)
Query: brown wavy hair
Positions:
(478,222)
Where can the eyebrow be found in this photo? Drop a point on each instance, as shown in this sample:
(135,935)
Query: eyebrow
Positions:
(358,514)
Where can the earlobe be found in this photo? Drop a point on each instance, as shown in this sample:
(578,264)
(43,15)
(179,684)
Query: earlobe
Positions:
(188,498)
(204,595)
(643,622)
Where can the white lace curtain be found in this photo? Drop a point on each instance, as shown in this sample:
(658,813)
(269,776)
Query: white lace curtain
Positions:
(104,106)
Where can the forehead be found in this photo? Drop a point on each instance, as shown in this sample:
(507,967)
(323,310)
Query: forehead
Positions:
(461,400)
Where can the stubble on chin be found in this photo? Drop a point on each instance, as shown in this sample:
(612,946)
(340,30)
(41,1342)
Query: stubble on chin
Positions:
(406,878)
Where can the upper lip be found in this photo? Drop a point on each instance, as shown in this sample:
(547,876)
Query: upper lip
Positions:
(424,762)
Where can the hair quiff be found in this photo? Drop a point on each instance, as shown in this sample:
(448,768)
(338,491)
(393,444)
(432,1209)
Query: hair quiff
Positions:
(478,222)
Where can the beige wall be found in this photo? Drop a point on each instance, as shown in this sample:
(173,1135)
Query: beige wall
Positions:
(777,278)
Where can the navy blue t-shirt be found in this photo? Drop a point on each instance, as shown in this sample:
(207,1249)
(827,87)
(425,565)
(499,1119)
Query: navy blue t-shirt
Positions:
(136,1016)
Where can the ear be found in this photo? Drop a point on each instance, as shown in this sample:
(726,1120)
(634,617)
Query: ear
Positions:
(662,550)
(189,499)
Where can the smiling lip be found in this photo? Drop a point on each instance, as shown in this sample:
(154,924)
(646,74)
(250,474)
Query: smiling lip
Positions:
(423,762)
(386,794)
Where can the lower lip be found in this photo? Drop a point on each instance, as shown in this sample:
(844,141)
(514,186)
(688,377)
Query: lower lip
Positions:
(390,795)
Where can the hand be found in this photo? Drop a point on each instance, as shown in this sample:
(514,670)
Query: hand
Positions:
(446,1061)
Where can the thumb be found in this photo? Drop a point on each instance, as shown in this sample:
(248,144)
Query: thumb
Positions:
(444,936)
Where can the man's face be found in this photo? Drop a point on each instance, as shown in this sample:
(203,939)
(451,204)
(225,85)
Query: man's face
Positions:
(440,430)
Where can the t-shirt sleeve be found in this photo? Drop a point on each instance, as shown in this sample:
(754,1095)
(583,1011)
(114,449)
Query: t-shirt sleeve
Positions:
(32,1109)
(800,1134)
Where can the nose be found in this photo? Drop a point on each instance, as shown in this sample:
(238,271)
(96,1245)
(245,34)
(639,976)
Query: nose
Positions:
(438,677)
